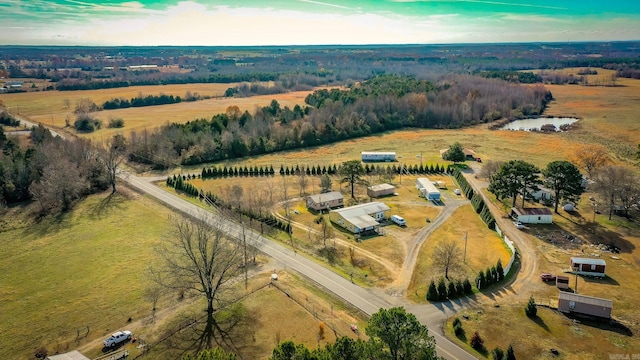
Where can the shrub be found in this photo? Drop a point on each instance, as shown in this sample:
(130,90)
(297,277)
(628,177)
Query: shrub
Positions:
(432,293)
(497,354)
(457,327)
(476,342)
(86,123)
(116,123)
(531,309)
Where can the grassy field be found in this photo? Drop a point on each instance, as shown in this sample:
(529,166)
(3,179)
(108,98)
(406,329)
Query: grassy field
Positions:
(83,268)
(484,248)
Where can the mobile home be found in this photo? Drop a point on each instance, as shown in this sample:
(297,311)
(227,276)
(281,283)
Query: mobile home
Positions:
(427,189)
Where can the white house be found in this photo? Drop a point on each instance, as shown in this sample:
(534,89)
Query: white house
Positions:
(541,194)
(532,215)
(379,190)
(325,201)
(589,266)
(427,189)
(378,156)
(360,218)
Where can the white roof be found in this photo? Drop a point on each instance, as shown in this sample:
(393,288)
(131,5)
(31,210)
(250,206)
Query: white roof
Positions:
(425,183)
(585,299)
(588,261)
(333,195)
(531,211)
(73,355)
(378,153)
(381,187)
(361,209)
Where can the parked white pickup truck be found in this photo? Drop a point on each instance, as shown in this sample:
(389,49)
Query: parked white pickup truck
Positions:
(117,338)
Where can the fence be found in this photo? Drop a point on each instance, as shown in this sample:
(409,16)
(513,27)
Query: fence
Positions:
(511,247)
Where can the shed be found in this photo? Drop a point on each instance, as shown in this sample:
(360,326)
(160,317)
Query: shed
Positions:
(587,266)
(325,201)
(427,189)
(532,215)
(582,304)
(380,190)
(73,355)
(360,218)
(374,156)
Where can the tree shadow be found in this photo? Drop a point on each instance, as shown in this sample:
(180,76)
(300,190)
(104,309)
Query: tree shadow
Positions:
(598,234)
(606,280)
(112,201)
(540,322)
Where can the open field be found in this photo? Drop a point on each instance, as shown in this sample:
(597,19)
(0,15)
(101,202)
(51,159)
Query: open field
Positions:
(484,248)
(533,339)
(76,270)
(80,269)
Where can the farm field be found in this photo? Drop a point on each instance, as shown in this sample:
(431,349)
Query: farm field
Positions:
(80,270)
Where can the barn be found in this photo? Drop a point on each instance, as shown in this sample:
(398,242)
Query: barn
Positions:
(586,305)
(587,266)
(532,215)
(325,201)
(374,156)
(379,190)
(427,189)
(362,218)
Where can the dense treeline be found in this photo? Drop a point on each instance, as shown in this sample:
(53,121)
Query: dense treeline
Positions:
(523,77)
(67,85)
(381,104)
(139,101)
(7,119)
(51,171)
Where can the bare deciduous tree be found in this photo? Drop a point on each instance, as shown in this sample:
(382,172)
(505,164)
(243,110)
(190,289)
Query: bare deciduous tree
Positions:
(303,180)
(447,257)
(201,260)
(610,182)
(490,168)
(112,155)
(590,158)
(325,183)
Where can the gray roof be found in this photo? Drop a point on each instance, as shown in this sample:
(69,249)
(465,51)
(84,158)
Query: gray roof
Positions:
(381,187)
(588,261)
(361,209)
(363,221)
(393,153)
(425,183)
(532,211)
(73,355)
(330,196)
(585,299)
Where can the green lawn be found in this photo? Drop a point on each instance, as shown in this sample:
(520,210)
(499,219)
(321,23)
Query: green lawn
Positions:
(83,268)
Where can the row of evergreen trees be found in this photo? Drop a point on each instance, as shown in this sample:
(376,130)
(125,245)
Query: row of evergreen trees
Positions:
(180,183)
(443,291)
(491,275)
(476,199)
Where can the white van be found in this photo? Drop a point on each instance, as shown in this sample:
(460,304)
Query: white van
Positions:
(399,220)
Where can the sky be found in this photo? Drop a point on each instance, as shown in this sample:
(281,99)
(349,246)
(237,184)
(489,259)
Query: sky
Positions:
(314,22)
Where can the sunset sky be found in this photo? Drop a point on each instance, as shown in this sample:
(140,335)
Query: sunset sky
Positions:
(303,22)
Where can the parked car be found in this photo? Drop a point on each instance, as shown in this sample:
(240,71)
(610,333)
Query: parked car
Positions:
(518,225)
(399,220)
(547,277)
(457,191)
(117,338)
(478,159)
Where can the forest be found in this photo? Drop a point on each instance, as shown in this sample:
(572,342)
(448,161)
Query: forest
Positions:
(381,104)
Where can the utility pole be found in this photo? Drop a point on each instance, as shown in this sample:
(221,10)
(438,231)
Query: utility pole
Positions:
(244,242)
(464,257)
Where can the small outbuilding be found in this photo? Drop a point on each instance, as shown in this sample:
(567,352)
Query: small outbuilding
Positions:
(326,201)
(586,305)
(532,215)
(427,189)
(377,156)
(562,282)
(588,266)
(379,190)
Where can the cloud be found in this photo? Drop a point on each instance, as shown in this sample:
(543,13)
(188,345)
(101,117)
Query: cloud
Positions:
(487,2)
(324,4)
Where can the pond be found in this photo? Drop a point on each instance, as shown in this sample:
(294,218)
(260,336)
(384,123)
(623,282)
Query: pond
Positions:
(535,124)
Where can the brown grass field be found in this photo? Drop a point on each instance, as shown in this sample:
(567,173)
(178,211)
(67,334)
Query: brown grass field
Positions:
(484,248)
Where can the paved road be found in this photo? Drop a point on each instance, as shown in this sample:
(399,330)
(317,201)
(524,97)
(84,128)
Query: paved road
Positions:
(30,124)
(368,301)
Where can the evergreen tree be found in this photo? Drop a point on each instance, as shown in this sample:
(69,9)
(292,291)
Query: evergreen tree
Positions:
(451,290)
(432,292)
(500,270)
(442,290)
(497,354)
(531,310)
(511,355)
(468,289)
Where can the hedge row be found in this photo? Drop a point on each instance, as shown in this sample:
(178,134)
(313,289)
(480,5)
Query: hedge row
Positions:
(492,275)
(476,199)
(443,291)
